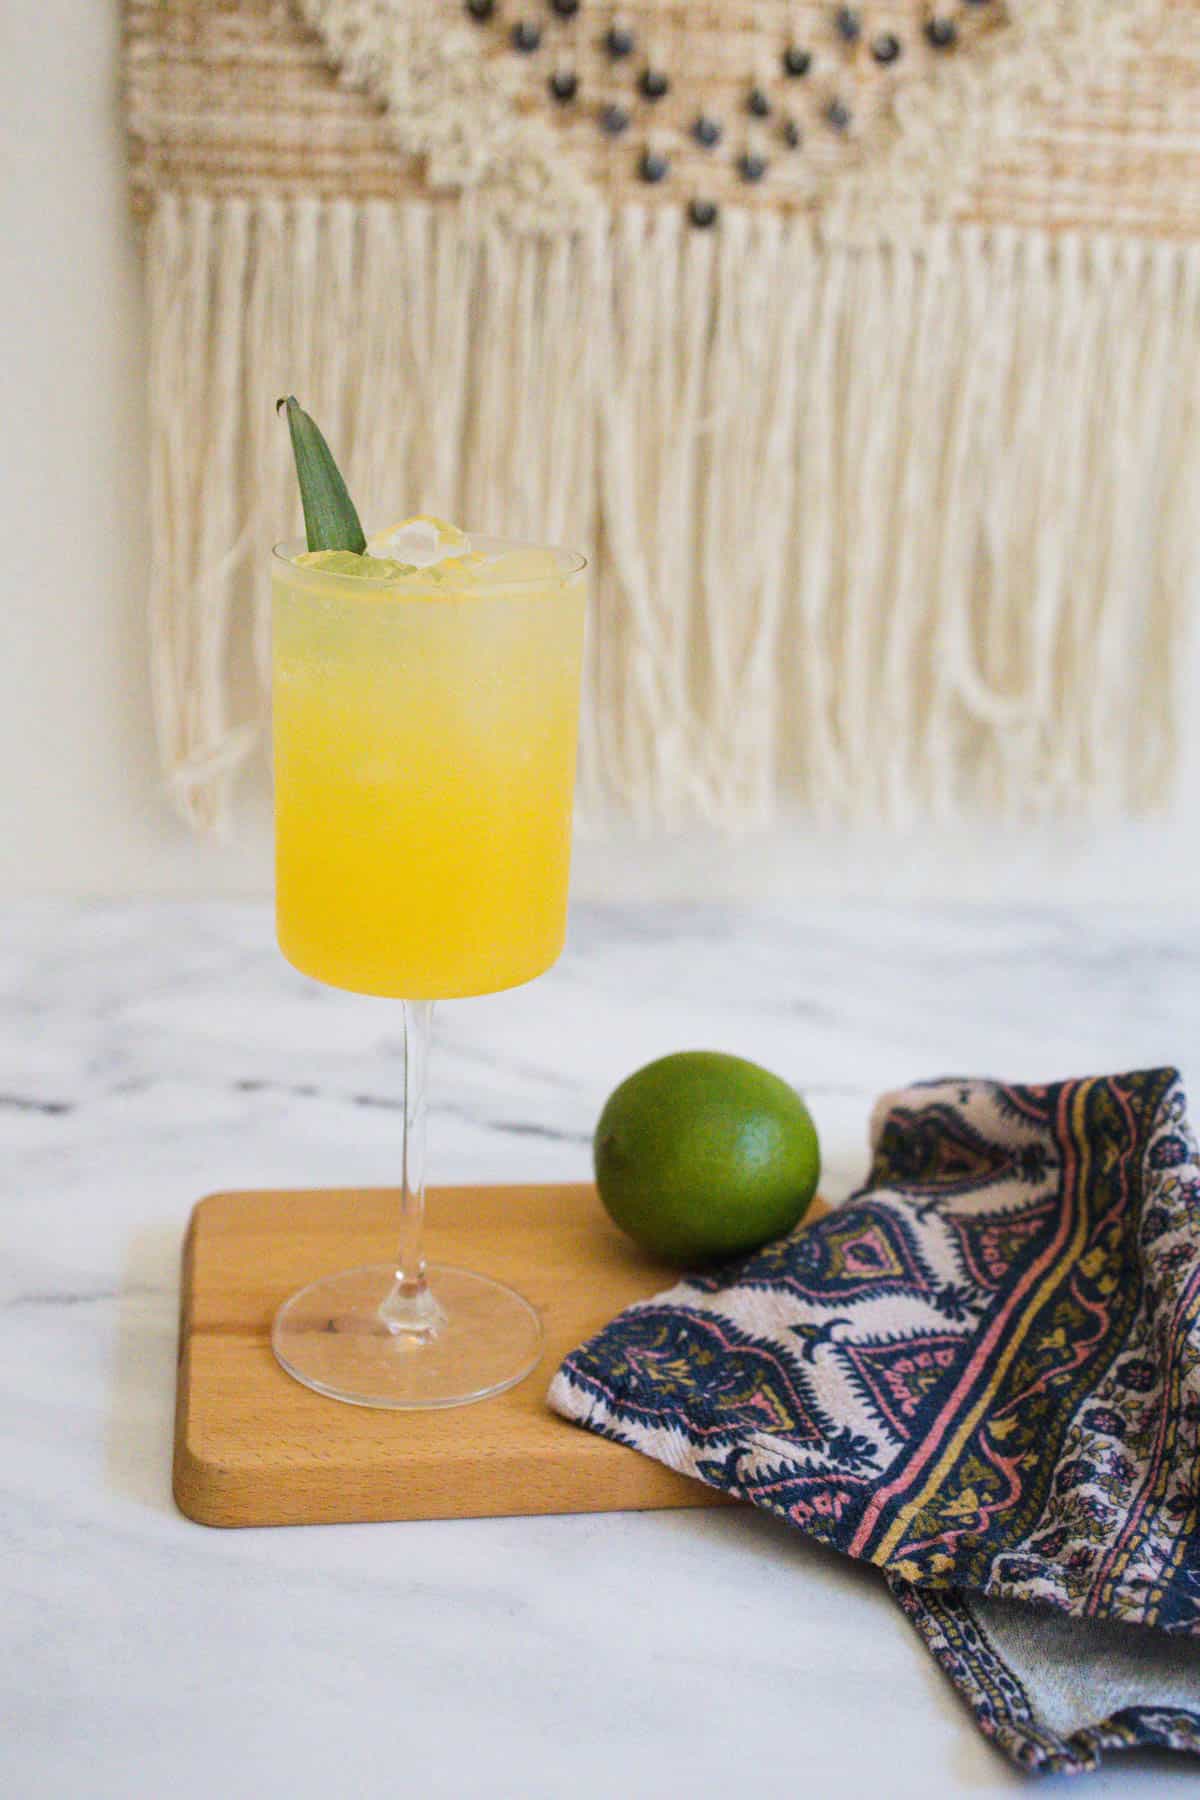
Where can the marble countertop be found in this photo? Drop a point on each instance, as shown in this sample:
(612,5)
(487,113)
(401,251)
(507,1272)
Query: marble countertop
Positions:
(150,1053)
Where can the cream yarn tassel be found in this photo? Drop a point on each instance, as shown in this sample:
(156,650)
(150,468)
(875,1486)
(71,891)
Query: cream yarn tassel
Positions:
(886,528)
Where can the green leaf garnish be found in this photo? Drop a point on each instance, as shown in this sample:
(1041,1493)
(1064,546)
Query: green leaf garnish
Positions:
(330,519)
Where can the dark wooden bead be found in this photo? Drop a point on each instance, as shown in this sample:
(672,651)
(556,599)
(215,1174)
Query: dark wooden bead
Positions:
(614,119)
(619,42)
(942,33)
(564,85)
(653,166)
(707,131)
(702,213)
(566,9)
(796,62)
(653,84)
(758,103)
(848,23)
(886,47)
(526,37)
(751,166)
(838,114)
(481,10)
(793,137)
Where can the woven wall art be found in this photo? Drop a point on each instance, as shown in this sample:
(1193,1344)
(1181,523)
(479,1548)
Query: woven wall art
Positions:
(861,345)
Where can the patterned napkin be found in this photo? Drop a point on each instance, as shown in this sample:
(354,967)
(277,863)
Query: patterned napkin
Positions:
(981,1374)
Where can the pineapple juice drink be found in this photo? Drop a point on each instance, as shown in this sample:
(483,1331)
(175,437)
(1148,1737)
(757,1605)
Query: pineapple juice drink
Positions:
(425,727)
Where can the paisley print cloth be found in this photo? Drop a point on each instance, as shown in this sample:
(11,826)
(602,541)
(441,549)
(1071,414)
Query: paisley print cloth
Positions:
(982,1375)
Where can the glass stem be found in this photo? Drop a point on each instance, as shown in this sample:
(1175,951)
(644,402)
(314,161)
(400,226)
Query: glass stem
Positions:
(410,1309)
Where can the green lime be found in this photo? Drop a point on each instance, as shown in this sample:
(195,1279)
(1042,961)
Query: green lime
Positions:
(701,1156)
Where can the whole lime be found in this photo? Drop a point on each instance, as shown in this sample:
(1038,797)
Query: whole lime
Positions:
(701,1156)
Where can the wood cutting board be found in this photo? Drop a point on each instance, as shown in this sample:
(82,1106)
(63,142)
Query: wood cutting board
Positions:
(254,1447)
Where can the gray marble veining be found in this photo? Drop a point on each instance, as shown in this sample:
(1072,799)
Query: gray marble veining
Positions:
(152,1053)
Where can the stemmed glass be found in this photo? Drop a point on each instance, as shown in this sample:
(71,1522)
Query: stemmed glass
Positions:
(424,736)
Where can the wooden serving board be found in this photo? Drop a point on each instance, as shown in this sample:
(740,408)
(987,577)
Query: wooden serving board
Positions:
(254,1447)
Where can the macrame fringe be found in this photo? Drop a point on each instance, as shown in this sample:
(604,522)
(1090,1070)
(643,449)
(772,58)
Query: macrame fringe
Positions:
(883,529)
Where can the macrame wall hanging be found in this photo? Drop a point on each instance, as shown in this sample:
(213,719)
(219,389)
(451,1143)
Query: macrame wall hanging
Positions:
(860,344)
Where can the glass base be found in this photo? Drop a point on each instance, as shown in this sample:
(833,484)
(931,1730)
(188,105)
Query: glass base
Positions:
(334,1336)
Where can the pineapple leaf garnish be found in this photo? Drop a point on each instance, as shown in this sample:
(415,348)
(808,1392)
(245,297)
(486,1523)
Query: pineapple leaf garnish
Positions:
(330,519)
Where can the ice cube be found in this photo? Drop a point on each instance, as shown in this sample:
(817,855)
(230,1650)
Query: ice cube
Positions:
(422,541)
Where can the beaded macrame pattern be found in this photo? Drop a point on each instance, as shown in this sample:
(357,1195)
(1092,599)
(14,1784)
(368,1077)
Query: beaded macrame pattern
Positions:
(877,113)
(550,106)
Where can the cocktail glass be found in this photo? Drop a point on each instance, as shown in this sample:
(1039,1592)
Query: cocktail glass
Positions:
(424,734)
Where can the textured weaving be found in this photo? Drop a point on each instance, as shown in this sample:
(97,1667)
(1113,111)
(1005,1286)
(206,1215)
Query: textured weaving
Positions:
(1059,112)
(860,345)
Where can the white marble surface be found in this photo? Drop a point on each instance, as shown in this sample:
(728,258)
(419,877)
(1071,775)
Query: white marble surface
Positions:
(151,1053)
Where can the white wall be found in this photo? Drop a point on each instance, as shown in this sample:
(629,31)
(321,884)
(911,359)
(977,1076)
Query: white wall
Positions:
(80,805)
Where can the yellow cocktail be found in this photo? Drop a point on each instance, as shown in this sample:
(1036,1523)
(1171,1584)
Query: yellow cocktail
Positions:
(425,732)
(425,720)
